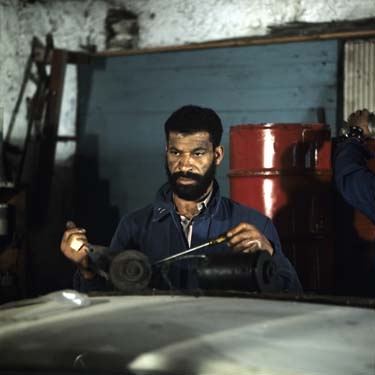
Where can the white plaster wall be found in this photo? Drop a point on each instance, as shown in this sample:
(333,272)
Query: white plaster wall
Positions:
(72,24)
(162,23)
(186,21)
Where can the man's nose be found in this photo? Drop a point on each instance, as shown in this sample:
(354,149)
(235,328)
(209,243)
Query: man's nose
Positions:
(185,162)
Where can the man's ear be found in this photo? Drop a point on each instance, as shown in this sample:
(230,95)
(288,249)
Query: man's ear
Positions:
(219,154)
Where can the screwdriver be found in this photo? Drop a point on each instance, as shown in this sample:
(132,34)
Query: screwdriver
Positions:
(215,241)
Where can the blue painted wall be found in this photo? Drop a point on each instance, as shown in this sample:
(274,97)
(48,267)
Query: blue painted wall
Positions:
(124,102)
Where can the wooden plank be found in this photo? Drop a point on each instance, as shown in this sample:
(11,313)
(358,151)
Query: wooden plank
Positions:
(244,56)
(139,122)
(243,42)
(54,101)
(263,76)
(123,100)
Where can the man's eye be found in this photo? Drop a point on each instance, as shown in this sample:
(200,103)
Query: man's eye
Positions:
(174,152)
(198,153)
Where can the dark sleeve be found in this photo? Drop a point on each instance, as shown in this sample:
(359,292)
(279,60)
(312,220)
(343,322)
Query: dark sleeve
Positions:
(122,238)
(119,242)
(288,278)
(354,181)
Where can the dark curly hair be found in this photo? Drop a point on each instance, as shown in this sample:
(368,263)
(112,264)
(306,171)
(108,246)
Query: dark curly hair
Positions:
(191,119)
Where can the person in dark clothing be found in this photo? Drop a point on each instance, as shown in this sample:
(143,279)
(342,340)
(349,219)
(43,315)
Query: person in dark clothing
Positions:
(187,211)
(354,180)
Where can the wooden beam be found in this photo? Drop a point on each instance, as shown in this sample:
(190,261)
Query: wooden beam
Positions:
(71,56)
(244,42)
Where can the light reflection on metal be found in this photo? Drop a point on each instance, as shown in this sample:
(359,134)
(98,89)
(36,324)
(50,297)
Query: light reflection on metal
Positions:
(268,149)
(268,197)
(72,296)
(152,361)
(248,173)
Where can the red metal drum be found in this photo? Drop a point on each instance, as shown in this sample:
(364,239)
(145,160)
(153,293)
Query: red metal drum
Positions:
(284,171)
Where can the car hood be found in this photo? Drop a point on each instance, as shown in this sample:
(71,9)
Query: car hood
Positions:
(185,334)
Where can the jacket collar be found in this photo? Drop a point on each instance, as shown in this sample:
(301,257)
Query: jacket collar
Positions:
(163,204)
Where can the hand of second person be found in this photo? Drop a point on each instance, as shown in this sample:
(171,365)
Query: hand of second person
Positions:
(246,238)
(360,118)
(74,244)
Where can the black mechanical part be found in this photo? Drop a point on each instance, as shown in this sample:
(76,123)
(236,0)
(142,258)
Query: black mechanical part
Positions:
(130,270)
(242,272)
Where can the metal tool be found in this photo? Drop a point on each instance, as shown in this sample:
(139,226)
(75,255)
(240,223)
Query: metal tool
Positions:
(251,272)
(131,269)
(212,242)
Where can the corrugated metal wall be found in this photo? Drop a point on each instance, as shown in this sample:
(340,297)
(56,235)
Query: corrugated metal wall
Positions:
(359,76)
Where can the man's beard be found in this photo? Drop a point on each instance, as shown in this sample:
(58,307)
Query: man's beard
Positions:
(195,191)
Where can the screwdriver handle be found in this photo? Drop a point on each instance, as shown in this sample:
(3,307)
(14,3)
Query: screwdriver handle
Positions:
(217,240)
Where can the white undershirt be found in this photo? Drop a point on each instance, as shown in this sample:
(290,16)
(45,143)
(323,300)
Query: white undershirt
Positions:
(187,224)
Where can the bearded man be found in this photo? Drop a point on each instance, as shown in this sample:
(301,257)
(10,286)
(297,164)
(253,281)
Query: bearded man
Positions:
(187,211)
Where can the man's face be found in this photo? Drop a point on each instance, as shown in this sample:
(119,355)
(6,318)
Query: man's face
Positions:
(191,164)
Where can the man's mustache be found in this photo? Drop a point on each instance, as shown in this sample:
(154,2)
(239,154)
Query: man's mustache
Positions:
(190,175)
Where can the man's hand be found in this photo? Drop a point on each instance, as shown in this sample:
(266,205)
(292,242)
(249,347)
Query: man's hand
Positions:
(247,238)
(360,118)
(74,245)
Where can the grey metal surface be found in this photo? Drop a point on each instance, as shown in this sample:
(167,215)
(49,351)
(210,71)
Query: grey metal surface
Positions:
(188,335)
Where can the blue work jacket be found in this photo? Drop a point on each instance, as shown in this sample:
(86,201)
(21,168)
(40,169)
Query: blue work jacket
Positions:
(156,231)
(355,182)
